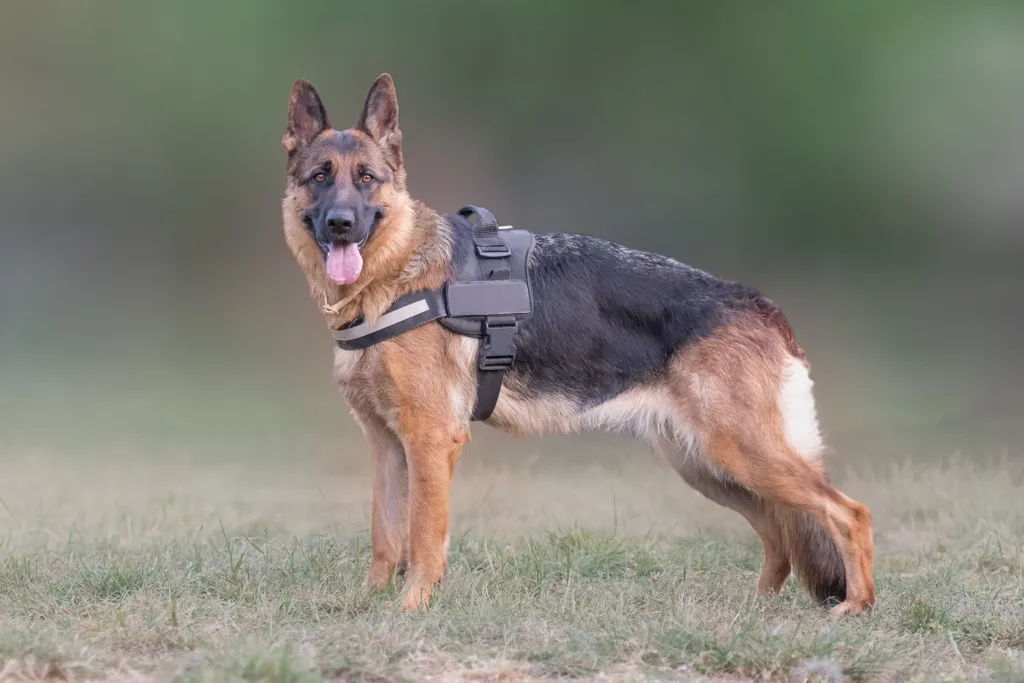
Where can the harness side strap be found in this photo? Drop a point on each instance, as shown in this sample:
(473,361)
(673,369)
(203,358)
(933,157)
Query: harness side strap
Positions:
(496,355)
(488,388)
(497,348)
(408,312)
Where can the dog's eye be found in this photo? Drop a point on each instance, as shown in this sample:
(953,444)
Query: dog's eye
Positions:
(366,178)
(320,177)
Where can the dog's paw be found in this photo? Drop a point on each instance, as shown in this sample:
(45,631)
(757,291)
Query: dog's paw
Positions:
(416,596)
(378,577)
(850,608)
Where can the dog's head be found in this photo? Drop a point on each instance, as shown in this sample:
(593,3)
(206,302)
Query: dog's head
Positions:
(344,184)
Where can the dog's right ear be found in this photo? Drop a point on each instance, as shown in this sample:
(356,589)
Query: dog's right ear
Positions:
(307,117)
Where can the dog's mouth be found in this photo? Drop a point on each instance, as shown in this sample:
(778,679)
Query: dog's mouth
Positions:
(344,262)
(343,259)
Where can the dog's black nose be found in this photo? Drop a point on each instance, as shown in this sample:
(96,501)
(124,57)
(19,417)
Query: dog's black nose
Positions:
(340,222)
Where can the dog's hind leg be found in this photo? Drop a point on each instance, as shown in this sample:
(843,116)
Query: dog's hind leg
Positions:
(748,399)
(757,512)
(782,476)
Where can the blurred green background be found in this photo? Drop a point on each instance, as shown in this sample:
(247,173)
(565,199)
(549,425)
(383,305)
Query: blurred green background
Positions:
(860,162)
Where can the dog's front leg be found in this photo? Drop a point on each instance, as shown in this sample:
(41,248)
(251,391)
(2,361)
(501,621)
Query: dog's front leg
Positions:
(389,523)
(432,389)
(432,452)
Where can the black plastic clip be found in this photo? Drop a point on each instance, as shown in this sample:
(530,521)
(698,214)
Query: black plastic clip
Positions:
(498,350)
(497,249)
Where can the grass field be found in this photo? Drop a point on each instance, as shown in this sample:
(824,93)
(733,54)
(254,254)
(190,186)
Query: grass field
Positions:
(194,568)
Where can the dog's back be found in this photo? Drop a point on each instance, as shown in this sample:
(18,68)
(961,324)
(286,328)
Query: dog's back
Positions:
(607,318)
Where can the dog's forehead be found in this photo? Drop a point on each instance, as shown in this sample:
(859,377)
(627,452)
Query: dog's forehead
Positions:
(343,143)
(338,147)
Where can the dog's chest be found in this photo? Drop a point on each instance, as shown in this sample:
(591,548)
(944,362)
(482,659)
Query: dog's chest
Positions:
(347,366)
(360,377)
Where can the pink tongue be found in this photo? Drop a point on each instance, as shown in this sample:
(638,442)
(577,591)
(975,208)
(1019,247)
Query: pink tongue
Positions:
(344,262)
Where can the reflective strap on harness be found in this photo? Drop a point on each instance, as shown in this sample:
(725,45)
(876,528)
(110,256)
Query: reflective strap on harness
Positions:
(407,313)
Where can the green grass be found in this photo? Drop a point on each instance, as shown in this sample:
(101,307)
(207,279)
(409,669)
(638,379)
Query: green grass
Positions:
(176,570)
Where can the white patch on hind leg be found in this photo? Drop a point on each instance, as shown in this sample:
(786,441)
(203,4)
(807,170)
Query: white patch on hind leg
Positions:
(796,401)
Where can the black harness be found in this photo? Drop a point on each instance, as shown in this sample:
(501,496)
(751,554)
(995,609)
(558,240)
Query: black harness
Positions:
(487,299)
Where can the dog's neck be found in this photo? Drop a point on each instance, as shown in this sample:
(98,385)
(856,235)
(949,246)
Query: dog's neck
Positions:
(410,251)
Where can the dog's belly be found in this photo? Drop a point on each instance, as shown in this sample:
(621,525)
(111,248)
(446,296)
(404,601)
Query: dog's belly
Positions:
(647,412)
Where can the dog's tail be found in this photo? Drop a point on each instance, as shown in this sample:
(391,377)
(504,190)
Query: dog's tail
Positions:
(812,554)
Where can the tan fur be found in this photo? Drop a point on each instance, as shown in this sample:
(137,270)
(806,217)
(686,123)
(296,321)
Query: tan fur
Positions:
(731,413)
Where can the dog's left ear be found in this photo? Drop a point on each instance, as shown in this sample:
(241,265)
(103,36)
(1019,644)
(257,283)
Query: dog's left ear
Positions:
(307,117)
(380,117)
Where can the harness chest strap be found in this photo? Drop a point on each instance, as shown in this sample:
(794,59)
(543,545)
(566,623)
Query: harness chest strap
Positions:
(487,299)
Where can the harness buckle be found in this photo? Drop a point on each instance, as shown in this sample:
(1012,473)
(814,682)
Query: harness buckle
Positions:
(494,250)
(498,347)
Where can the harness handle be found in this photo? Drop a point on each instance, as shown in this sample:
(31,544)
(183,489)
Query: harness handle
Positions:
(485,232)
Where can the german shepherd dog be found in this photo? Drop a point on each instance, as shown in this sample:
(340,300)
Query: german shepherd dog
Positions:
(706,370)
